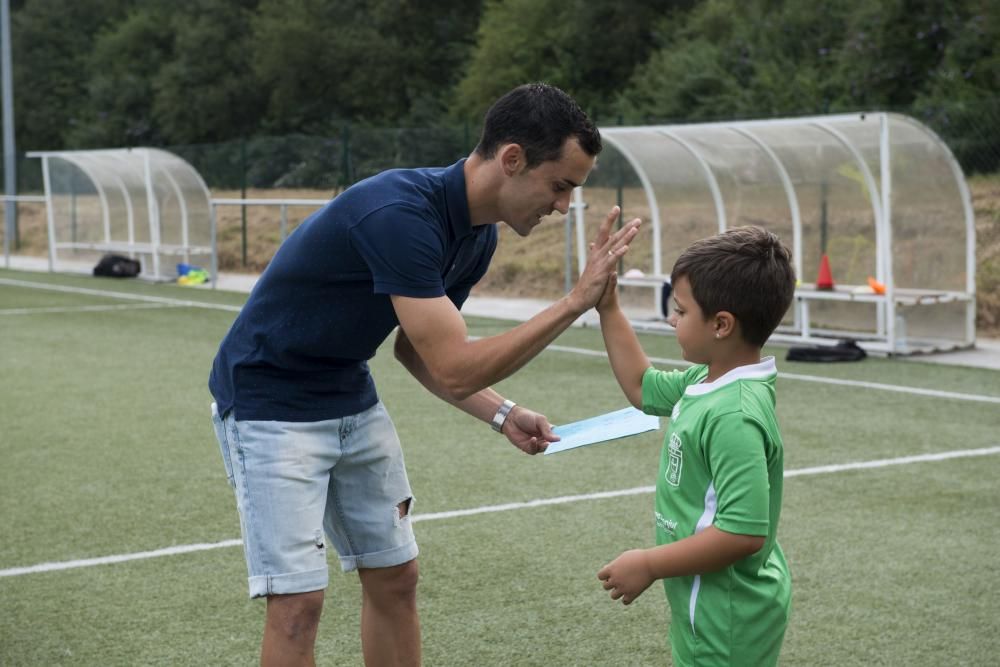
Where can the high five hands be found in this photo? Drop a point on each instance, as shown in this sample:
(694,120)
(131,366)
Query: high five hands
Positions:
(602,260)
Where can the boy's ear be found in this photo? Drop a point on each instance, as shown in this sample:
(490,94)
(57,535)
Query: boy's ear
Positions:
(725,324)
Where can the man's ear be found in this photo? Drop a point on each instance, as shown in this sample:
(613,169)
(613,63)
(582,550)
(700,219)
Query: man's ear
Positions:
(725,324)
(511,158)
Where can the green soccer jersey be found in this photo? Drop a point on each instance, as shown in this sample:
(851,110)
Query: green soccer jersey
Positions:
(722,465)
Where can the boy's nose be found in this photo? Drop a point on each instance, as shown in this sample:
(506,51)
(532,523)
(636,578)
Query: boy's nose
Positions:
(672,320)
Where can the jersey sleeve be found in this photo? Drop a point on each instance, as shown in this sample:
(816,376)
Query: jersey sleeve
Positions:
(662,389)
(404,250)
(735,447)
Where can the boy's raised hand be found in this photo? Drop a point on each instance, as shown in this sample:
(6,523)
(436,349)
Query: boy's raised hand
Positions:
(609,300)
(627,576)
(602,260)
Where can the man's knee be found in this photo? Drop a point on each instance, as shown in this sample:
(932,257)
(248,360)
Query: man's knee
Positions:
(295,616)
(391,584)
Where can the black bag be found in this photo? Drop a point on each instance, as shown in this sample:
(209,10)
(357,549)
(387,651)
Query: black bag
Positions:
(845,350)
(117,266)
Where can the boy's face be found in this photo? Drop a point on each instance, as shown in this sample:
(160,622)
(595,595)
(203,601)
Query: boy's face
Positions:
(531,194)
(695,333)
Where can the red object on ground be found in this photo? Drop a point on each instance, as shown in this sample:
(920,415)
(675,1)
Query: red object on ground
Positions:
(824,280)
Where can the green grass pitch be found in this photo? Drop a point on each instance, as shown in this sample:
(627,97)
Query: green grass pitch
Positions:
(106,449)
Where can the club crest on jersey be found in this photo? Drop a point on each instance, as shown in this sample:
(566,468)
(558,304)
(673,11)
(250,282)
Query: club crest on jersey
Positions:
(675,461)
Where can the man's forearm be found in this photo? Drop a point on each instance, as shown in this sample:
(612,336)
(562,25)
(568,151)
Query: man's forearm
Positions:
(474,365)
(481,405)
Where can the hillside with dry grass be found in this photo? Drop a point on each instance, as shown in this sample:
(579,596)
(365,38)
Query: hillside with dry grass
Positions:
(535,266)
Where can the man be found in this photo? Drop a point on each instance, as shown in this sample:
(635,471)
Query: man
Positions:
(309,449)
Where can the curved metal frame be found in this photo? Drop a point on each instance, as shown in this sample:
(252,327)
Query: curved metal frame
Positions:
(879,196)
(786,183)
(105,214)
(104,169)
(654,210)
(129,211)
(885,325)
(713,182)
(970,218)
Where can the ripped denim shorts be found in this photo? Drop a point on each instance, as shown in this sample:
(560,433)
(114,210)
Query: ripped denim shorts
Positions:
(300,483)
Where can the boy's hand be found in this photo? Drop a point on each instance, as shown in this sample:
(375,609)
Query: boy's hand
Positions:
(609,300)
(627,576)
(602,260)
(528,430)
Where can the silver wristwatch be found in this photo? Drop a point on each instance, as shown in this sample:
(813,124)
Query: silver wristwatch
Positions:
(501,416)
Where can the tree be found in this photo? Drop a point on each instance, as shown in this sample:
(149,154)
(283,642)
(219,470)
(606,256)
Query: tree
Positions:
(208,91)
(960,99)
(51,41)
(126,58)
(732,59)
(587,48)
(374,62)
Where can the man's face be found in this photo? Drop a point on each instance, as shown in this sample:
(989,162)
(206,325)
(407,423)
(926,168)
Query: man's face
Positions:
(531,194)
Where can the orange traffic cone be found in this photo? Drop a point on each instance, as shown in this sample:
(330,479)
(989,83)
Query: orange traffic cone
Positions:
(824,280)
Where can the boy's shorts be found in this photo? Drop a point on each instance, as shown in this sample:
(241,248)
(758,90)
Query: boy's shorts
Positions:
(295,481)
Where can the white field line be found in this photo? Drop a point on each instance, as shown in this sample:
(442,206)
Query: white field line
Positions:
(118,295)
(84,309)
(933,393)
(489,509)
(917,391)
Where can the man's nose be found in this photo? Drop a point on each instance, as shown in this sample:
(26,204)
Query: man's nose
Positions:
(562,203)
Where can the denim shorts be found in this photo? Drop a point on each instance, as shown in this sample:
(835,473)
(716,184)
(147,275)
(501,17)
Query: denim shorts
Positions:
(297,483)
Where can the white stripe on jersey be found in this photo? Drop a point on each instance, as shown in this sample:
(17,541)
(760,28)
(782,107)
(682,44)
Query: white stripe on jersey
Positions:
(704,522)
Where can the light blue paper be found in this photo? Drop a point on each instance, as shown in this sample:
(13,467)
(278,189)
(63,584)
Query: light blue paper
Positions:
(617,424)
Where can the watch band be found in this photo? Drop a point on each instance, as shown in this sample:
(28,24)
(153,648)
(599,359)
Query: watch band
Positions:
(501,416)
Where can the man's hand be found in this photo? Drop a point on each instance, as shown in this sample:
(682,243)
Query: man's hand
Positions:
(627,576)
(602,260)
(528,431)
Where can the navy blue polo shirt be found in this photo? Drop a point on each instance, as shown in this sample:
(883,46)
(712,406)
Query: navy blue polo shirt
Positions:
(298,350)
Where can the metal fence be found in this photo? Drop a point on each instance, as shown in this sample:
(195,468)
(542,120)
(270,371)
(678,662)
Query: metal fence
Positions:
(331,163)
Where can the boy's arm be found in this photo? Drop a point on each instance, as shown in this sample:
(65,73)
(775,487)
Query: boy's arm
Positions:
(708,551)
(628,361)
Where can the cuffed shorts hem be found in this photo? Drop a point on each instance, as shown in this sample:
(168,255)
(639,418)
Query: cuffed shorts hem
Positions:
(288,584)
(387,558)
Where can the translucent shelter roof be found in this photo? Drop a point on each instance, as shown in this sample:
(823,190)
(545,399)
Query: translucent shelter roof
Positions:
(143,202)
(878,193)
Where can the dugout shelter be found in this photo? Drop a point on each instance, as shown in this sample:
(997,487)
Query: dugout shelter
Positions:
(145,203)
(878,194)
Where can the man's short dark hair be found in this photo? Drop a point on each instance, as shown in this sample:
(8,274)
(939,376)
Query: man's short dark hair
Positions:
(539,118)
(746,271)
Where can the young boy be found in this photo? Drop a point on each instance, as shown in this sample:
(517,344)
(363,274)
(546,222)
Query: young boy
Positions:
(718,491)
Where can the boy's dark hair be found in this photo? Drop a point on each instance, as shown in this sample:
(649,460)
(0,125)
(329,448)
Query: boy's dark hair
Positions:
(746,271)
(539,118)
